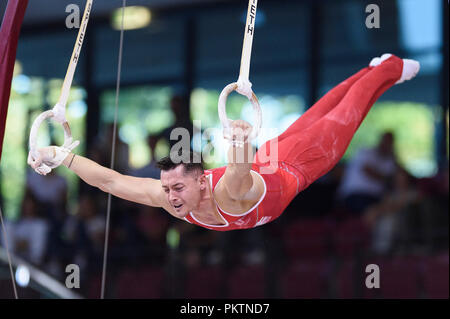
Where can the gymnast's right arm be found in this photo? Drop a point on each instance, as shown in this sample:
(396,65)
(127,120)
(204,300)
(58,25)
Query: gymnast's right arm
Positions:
(147,191)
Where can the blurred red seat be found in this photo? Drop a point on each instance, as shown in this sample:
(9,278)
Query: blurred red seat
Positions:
(95,287)
(345,280)
(435,277)
(205,282)
(351,237)
(140,284)
(399,278)
(307,239)
(245,282)
(305,280)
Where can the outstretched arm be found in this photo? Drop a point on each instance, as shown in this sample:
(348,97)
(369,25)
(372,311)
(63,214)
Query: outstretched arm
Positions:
(145,191)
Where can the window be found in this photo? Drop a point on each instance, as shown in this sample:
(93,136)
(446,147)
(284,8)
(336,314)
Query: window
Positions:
(142,111)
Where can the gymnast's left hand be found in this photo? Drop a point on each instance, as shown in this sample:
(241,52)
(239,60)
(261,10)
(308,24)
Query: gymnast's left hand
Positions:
(240,131)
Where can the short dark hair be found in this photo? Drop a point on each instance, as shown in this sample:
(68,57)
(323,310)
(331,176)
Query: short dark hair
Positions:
(191,162)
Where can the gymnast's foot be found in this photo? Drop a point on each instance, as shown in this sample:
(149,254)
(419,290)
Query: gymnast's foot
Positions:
(410,70)
(410,67)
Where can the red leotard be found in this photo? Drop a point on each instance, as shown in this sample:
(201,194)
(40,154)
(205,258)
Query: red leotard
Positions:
(311,146)
(280,189)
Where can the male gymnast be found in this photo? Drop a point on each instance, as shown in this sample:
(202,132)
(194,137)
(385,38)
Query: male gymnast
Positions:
(240,195)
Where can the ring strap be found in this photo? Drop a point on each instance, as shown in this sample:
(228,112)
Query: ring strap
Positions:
(58,113)
(243,85)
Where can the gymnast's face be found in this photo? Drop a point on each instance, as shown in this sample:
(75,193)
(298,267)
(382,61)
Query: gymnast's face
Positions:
(183,189)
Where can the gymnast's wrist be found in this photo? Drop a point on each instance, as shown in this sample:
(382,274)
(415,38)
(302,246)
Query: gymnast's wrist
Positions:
(68,161)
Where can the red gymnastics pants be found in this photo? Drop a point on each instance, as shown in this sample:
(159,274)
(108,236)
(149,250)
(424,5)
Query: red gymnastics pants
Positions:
(316,142)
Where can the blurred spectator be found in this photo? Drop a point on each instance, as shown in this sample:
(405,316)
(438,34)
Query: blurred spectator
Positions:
(180,108)
(387,218)
(127,243)
(434,217)
(438,184)
(199,245)
(50,191)
(318,199)
(150,170)
(85,231)
(103,150)
(27,237)
(153,223)
(367,175)
(243,247)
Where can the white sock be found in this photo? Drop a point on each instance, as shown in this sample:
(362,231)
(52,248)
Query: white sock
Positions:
(410,67)
(378,60)
(410,70)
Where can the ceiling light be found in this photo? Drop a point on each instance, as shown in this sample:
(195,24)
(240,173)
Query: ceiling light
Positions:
(135,17)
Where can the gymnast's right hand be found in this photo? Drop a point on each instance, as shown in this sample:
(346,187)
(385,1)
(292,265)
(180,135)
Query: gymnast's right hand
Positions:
(47,158)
